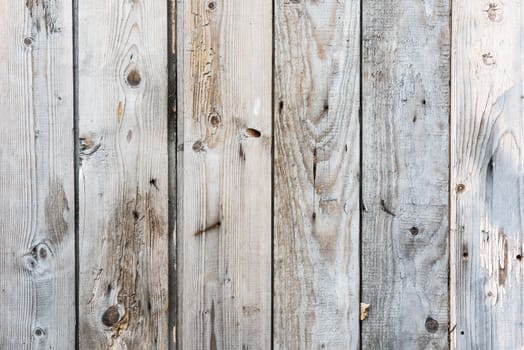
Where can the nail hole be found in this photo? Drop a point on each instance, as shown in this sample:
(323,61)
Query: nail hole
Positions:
(211,5)
(152,182)
(253,132)
(414,231)
(39,332)
(214,120)
(28,41)
(461,188)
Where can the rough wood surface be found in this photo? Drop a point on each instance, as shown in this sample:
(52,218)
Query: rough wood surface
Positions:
(37,255)
(316,189)
(123,238)
(404,243)
(487,131)
(37,215)
(224,174)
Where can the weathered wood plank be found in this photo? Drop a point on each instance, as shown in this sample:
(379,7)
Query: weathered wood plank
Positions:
(224,174)
(405,174)
(123,238)
(172,161)
(37,261)
(487,158)
(317,165)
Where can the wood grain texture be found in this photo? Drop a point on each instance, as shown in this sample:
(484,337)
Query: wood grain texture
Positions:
(123,194)
(487,158)
(316,181)
(404,236)
(172,161)
(37,261)
(224,174)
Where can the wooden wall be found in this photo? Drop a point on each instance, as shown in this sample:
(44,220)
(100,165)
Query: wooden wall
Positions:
(285,174)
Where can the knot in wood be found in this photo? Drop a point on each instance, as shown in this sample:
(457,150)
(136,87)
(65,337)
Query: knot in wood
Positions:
(111,316)
(431,325)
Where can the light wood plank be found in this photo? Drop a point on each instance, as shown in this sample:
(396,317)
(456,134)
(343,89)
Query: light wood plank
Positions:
(317,165)
(487,158)
(224,174)
(37,255)
(404,236)
(123,238)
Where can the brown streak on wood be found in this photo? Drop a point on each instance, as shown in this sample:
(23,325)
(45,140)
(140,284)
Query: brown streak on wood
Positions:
(207,229)
(119,111)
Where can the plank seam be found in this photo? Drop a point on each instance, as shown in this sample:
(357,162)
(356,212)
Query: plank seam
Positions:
(76,169)
(361,146)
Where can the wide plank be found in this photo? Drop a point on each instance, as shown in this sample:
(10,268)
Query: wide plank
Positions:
(123,168)
(487,168)
(316,174)
(224,174)
(37,255)
(405,114)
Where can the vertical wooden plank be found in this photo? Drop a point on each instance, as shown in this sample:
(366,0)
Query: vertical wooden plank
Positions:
(172,161)
(405,174)
(123,238)
(487,150)
(224,174)
(317,165)
(37,261)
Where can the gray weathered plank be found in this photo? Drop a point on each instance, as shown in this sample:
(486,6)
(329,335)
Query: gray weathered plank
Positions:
(123,238)
(316,188)
(405,174)
(172,160)
(37,261)
(487,158)
(224,174)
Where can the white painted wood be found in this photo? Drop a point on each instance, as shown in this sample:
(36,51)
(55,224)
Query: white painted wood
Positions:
(404,238)
(123,238)
(224,174)
(316,188)
(37,261)
(487,139)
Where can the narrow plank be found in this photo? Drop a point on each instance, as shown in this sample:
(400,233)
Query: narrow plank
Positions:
(487,159)
(316,180)
(123,183)
(37,255)
(405,174)
(224,174)
(172,161)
